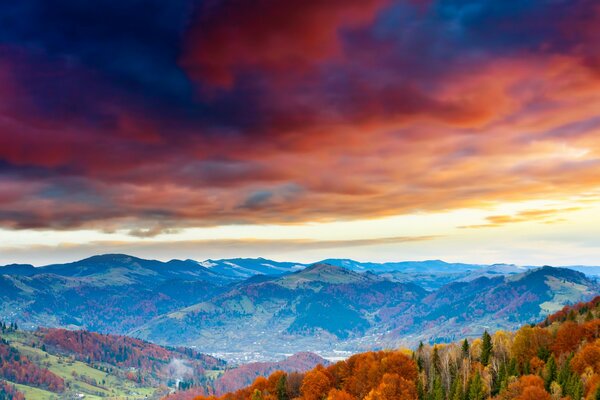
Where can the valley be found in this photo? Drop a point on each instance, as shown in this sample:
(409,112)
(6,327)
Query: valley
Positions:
(247,310)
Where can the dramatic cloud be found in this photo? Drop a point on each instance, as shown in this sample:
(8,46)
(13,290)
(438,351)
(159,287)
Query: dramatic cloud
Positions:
(155,116)
(229,36)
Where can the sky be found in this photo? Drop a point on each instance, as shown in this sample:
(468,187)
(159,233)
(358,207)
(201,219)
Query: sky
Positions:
(463,130)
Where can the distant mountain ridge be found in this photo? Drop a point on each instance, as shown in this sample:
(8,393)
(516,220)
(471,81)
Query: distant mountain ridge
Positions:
(426,266)
(329,307)
(243,268)
(262,307)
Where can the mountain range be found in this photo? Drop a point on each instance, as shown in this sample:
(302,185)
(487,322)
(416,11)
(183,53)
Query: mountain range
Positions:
(257,309)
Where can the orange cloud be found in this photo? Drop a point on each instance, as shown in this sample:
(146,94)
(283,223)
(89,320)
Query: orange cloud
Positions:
(548,216)
(325,117)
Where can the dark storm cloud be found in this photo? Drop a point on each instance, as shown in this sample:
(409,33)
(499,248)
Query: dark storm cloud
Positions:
(153,115)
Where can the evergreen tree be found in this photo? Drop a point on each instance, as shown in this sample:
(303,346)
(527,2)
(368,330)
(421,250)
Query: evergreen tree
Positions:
(589,316)
(486,348)
(437,392)
(526,368)
(513,368)
(465,348)
(544,353)
(435,360)
(501,381)
(550,372)
(419,357)
(420,390)
(570,381)
(564,373)
(281,388)
(456,390)
(257,395)
(476,388)
(575,387)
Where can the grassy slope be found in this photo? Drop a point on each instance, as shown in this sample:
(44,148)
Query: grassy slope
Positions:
(75,374)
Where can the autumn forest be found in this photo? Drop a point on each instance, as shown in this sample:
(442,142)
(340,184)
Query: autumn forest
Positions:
(556,359)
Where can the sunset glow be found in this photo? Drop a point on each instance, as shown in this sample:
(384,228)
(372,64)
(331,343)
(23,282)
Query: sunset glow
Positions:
(374,129)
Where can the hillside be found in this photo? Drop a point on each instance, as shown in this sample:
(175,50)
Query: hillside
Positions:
(559,359)
(307,310)
(57,363)
(51,363)
(236,378)
(61,375)
(503,302)
(326,308)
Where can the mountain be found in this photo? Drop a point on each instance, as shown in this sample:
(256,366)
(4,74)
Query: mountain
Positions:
(125,269)
(324,308)
(327,308)
(18,269)
(429,266)
(495,270)
(308,309)
(110,293)
(502,302)
(242,268)
(557,359)
(322,273)
(430,275)
(586,269)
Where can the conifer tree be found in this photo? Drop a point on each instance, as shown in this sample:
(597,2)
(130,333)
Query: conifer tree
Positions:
(438,391)
(465,348)
(420,390)
(543,353)
(435,360)
(281,388)
(550,372)
(419,356)
(476,389)
(456,393)
(589,316)
(486,348)
(501,381)
(257,395)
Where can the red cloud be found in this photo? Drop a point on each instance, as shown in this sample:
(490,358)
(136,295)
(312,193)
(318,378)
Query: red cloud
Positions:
(269,34)
(348,137)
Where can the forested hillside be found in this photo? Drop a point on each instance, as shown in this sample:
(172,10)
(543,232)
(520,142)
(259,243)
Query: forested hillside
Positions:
(557,359)
(9,392)
(56,363)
